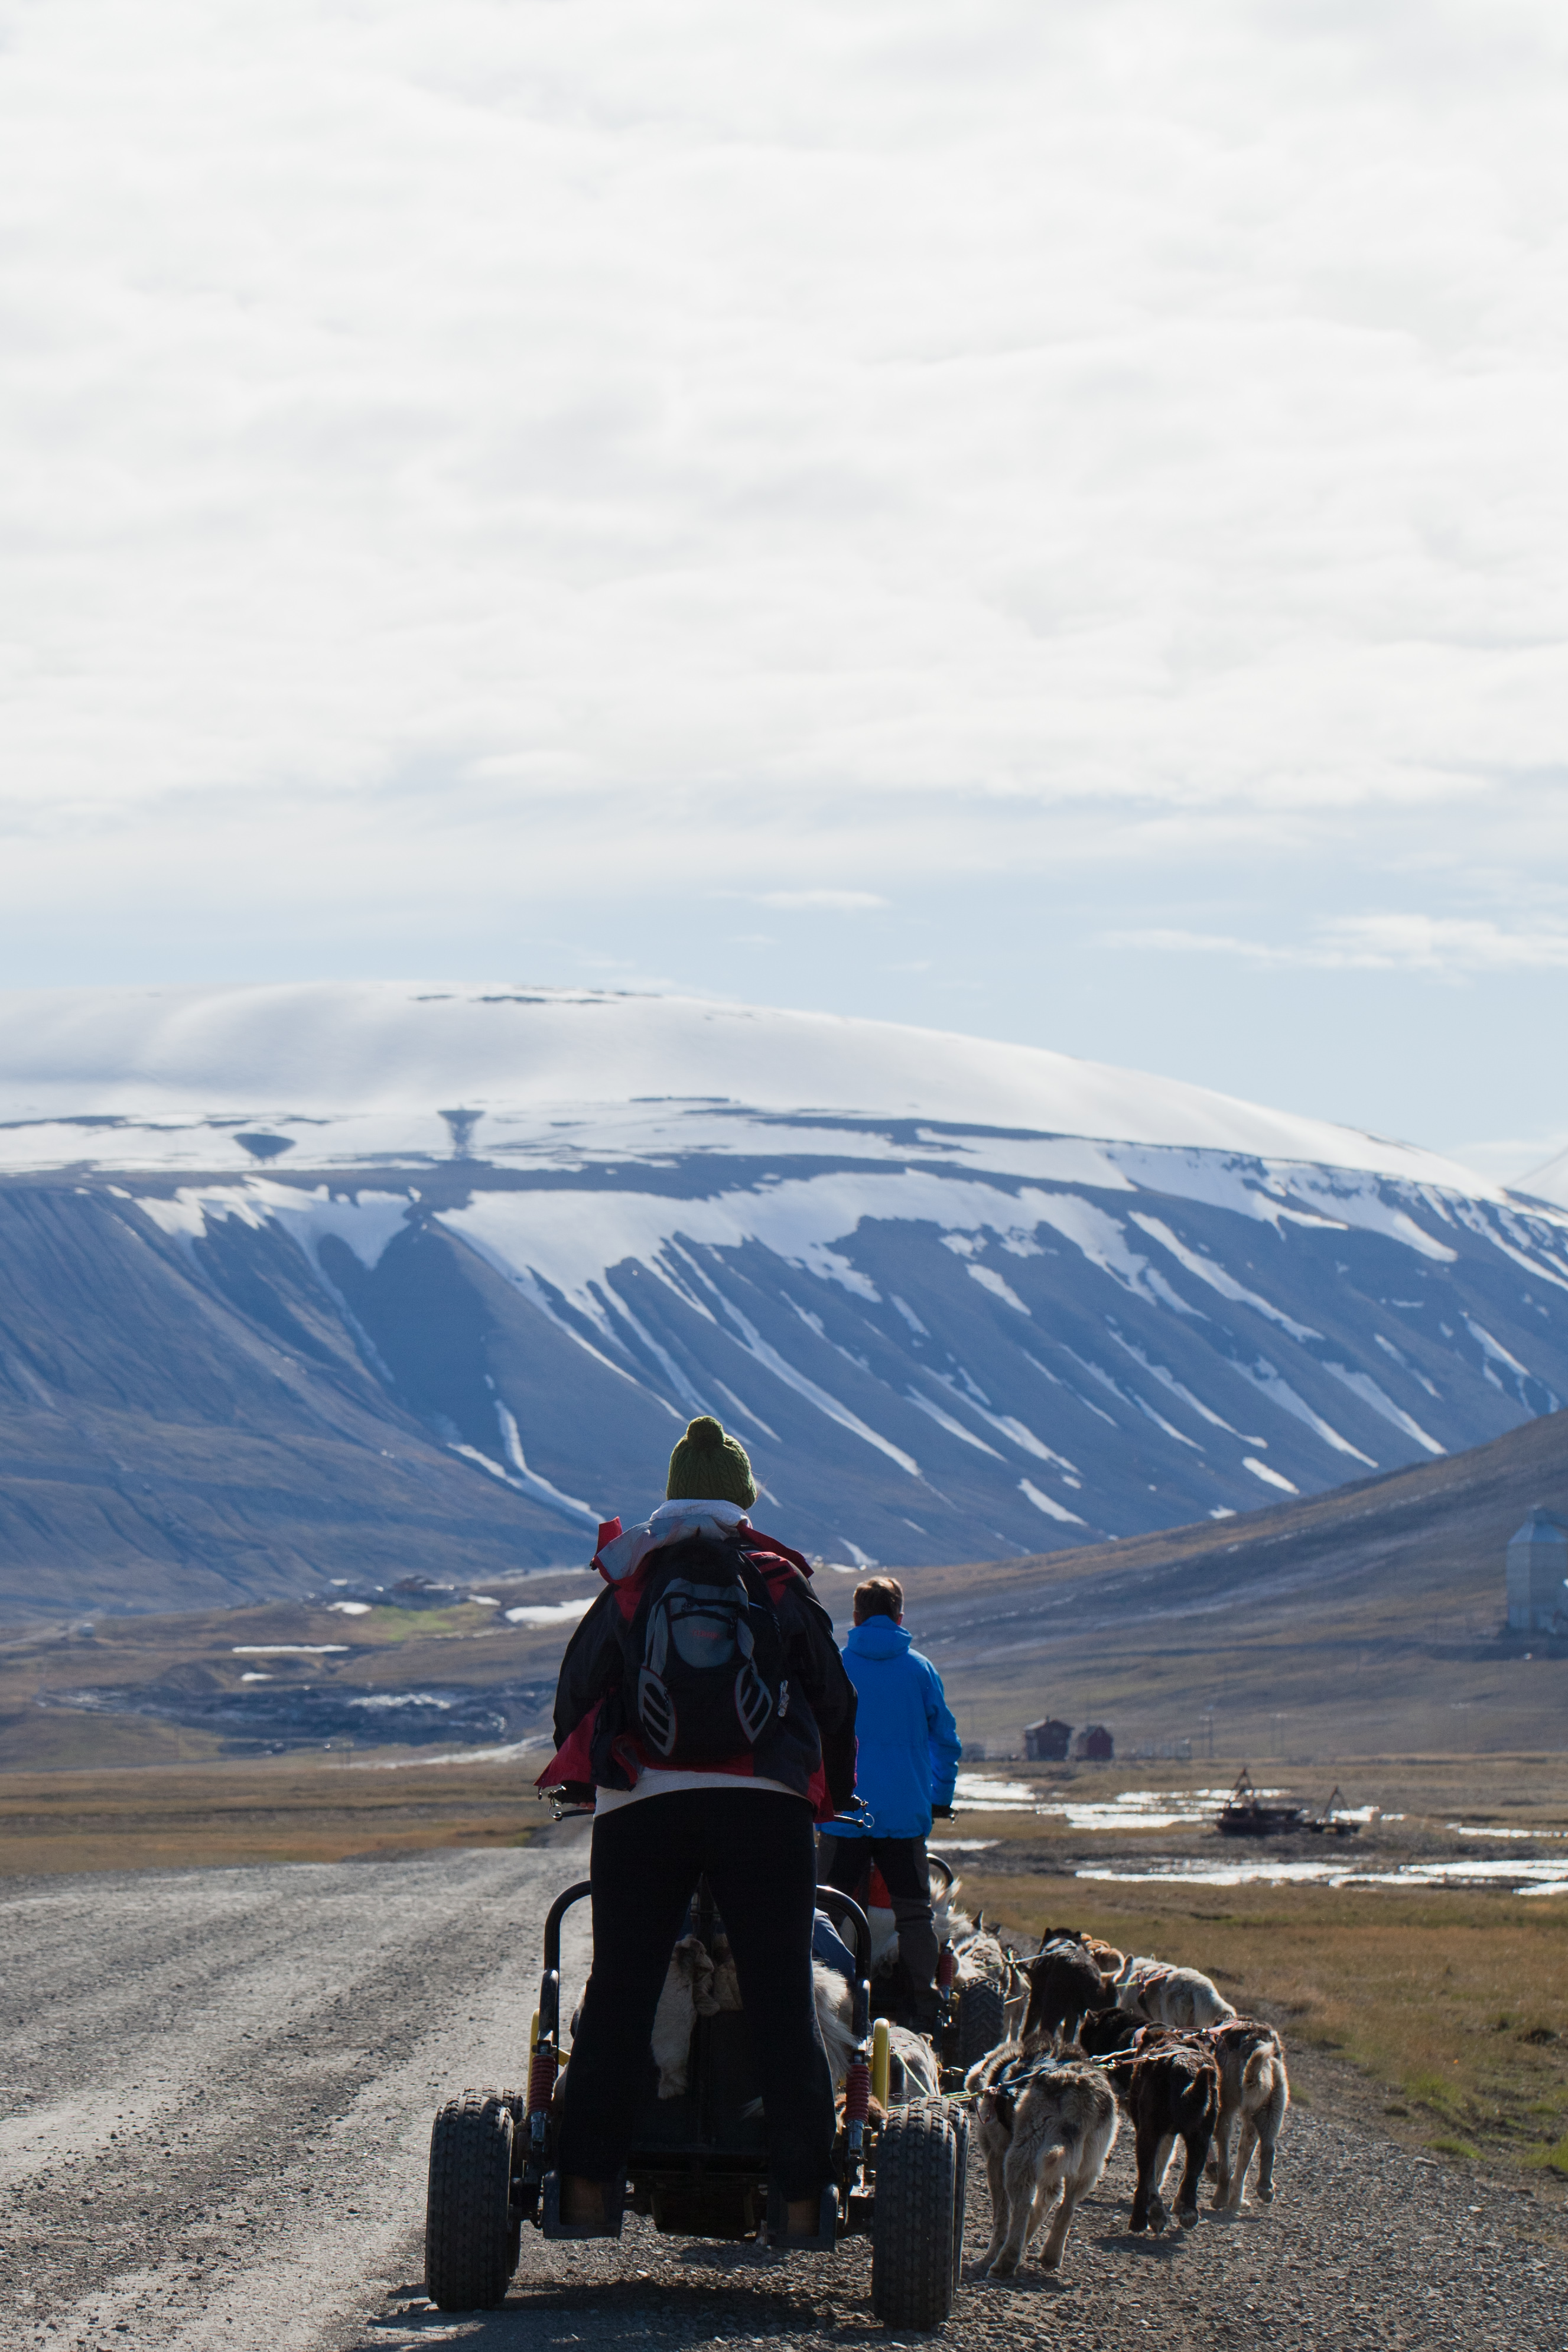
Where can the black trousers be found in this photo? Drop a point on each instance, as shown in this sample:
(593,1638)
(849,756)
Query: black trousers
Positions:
(758,1850)
(846,1864)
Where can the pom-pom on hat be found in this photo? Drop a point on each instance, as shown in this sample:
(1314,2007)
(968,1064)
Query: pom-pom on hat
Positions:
(708,1466)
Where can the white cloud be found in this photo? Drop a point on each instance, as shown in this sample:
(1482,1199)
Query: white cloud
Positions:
(836,902)
(486,484)
(607,443)
(1445,945)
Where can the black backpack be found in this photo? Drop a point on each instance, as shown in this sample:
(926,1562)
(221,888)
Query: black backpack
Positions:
(704,1654)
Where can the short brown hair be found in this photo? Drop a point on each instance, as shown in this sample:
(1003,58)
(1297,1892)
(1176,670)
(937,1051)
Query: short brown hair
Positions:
(879,1596)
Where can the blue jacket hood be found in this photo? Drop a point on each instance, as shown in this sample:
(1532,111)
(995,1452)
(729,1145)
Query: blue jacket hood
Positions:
(907,1739)
(879,1637)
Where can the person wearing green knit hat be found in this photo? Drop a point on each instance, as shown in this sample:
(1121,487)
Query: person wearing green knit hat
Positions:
(704,1705)
(707,1466)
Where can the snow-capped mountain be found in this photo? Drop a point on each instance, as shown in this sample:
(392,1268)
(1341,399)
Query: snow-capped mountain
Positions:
(958,1298)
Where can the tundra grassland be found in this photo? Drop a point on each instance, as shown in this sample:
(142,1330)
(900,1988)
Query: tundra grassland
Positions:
(1436,2015)
(288,1809)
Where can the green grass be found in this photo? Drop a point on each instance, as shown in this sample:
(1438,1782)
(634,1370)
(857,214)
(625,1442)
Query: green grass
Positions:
(1442,2093)
(392,1627)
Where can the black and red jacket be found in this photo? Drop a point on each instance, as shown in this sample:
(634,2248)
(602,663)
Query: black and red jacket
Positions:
(813,1751)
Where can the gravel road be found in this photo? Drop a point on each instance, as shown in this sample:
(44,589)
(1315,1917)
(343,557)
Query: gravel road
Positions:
(217,2094)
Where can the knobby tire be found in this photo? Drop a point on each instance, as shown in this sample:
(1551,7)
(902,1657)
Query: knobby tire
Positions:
(914,2230)
(470,2244)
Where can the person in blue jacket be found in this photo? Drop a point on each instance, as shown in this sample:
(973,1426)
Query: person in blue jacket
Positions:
(905,1773)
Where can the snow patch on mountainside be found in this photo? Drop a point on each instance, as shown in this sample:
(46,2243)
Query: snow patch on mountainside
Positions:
(959,1298)
(365,1220)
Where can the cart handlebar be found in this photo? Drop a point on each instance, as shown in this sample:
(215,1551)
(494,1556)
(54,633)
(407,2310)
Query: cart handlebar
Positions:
(557,1912)
(549,1986)
(829,1899)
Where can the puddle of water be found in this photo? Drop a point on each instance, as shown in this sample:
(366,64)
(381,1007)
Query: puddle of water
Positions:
(1216,1874)
(960,1845)
(1135,1809)
(973,1794)
(1520,1877)
(1519,1874)
(1144,1809)
(1462,1829)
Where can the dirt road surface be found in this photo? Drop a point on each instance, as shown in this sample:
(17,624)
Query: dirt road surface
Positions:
(217,2094)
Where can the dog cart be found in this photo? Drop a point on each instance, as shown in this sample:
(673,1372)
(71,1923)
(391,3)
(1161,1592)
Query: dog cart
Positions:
(698,2166)
(972,2018)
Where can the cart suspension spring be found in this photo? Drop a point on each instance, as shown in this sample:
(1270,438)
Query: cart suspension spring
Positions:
(541,2079)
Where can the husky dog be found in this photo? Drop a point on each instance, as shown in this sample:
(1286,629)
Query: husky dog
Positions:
(1254,2090)
(1171,2091)
(913,2072)
(1106,1956)
(1064,1986)
(1101,2032)
(697,1983)
(1045,2130)
(1165,1995)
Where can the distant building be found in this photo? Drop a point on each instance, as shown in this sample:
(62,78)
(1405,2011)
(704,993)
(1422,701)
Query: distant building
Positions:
(1538,1574)
(1047,1742)
(1095,1744)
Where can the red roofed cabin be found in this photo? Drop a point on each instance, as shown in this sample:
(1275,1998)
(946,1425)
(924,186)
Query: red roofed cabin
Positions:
(1095,1744)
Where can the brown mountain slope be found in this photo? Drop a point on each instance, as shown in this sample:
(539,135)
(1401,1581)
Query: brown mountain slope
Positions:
(164,1447)
(1363,1621)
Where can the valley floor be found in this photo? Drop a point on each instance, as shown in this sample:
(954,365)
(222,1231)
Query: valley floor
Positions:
(219,2085)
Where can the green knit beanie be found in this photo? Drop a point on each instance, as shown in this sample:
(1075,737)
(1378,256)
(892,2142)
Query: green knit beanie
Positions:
(708,1466)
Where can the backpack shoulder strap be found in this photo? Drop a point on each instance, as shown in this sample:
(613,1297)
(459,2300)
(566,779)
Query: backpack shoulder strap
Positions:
(628,1594)
(777,1575)
(780,1568)
(756,1541)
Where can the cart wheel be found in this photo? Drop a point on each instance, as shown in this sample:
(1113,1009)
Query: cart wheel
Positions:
(960,2123)
(517,2106)
(914,2275)
(982,2022)
(470,2244)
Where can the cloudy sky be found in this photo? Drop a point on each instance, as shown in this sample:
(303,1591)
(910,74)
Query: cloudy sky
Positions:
(1045,518)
